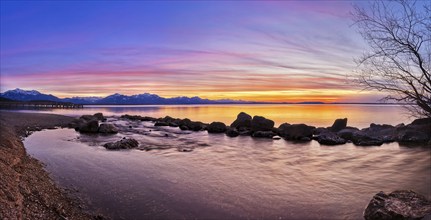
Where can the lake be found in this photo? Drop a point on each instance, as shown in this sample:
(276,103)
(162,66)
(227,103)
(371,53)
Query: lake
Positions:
(318,115)
(230,178)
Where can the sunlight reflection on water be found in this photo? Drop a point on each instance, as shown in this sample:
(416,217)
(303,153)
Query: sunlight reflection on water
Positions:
(318,115)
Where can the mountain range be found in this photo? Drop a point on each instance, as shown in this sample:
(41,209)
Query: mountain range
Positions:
(115,99)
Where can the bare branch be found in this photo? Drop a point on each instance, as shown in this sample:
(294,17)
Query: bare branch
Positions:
(398,62)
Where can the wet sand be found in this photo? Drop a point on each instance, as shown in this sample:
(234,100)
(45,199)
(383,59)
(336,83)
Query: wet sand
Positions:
(26,189)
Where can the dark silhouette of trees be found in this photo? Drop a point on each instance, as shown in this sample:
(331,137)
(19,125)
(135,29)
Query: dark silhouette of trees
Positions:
(398,61)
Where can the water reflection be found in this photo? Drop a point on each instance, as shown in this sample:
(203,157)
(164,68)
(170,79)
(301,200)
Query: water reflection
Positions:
(228,178)
(317,115)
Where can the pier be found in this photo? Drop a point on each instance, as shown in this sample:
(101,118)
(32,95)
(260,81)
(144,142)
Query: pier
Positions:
(39,104)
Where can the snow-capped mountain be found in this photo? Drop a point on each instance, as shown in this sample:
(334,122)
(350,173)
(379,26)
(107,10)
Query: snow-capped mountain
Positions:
(83,100)
(28,95)
(114,99)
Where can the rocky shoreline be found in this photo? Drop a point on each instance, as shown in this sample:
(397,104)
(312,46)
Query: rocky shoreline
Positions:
(26,190)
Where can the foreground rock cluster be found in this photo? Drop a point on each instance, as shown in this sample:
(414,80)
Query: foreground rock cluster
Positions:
(400,204)
(90,124)
(418,132)
(125,143)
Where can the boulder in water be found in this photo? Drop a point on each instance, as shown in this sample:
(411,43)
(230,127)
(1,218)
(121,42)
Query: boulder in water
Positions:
(413,136)
(242,120)
(329,138)
(301,132)
(362,138)
(127,143)
(88,117)
(400,204)
(259,123)
(263,134)
(347,133)
(99,116)
(184,127)
(161,123)
(108,129)
(187,124)
(339,124)
(231,132)
(89,127)
(216,127)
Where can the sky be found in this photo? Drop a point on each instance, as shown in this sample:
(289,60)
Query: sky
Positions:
(282,51)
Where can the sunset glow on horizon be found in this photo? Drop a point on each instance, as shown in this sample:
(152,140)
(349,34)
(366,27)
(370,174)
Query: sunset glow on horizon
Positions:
(291,51)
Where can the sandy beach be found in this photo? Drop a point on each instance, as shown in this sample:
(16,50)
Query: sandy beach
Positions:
(26,189)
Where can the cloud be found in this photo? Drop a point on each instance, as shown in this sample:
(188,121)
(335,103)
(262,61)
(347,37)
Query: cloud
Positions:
(258,50)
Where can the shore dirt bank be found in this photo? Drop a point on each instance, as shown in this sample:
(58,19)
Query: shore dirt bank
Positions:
(26,190)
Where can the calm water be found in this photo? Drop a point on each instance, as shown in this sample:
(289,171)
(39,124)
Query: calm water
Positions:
(226,178)
(318,115)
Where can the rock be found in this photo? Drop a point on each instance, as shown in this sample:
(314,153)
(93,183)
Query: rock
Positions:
(76,123)
(161,123)
(413,136)
(375,135)
(339,124)
(197,126)
(89,127)
(88,117)
(185,149)
(386,133)
(191,125)
(259,123)
(231,132)
(99,116)
(138,118)
(400,125)
(362,138)
(184,128)
(172,124)
(295,131)
(304,139)
(108,129)
(320,130)
(380,126)
(263,134)
(216,127)
(168,119)
(347,133)
(330,138)
(242,120)
(122,144)
(422,121)
(400,204)
(244,132)
(419,131)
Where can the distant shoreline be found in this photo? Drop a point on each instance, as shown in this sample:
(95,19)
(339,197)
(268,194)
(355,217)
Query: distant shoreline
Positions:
(19,95)
(266,103)
(23,105)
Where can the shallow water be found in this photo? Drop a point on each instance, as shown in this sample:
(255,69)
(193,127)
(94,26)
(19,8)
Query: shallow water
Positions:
(318,115)
(226,178)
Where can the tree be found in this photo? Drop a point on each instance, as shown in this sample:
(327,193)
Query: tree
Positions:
(398,61)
